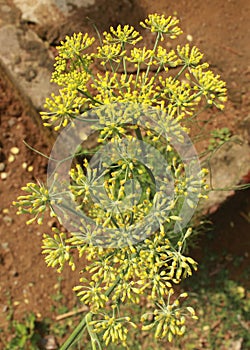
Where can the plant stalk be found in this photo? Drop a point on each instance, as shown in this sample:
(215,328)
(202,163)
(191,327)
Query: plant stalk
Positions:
(75,335)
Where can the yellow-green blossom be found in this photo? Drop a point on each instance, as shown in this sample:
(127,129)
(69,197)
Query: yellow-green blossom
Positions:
(162,25)
(139,56)
(168,319)
(56,250)
(110,53)
(63,108)
(122,35)
(210,86)
(92,294)
(179,95)
(73,46)
(166,59)
(113,328)
(130,248)
(189,57)
(35,203)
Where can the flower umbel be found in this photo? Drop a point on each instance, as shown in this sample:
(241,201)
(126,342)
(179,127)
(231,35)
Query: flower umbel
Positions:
(162,25)
(139,183)
(122,35)
(56,250)
(36,202)
(169,319)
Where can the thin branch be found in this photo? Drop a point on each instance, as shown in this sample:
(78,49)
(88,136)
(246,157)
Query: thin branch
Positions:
(71,313)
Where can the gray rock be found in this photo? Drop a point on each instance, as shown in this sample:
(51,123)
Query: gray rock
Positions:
(28,72)
(48,11)
(227,167)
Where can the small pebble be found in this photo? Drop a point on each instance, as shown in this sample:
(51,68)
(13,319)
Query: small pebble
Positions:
(24,165)
(50,342)
(5,308)
(2,166)
(189,38)
(11,122)
(11,158)
(5,246)
(14,150)
(8,220)
(4,176)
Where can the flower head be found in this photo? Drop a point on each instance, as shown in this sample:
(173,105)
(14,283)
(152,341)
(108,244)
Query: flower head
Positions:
(122,35)
(162,25)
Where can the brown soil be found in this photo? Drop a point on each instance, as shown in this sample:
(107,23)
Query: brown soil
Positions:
(24,277)
(221,30)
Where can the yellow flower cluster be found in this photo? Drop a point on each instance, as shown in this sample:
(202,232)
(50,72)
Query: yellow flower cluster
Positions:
(113,328)
(168,319)
(82,89)
(189,57)
(139,56)
(165,59)
(92,294)
(35,202)
(63,108)
(73,46)
(162,25)
(210,86)
(130,241)
(122,35)
(110,53)
(57,253)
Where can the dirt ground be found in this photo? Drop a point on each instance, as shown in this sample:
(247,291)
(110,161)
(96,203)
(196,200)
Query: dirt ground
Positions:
(221,30)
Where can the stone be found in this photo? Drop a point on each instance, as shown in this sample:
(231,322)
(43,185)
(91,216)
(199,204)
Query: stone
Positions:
(11,122)
(227,168)
(29,73)
(11,158)
(2,166)
(8,220)
(4,176)
(14,150)
(43,12)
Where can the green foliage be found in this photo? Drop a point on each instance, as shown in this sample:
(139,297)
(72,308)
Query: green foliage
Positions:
(218,138)
(127,271)
(25,336)
(223,312)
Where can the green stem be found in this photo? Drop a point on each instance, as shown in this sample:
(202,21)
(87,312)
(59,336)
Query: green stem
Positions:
(137,74)
(157,73)
(139,136)
(180,72)
(89,96)
(151,59)
(93,336)
(75,335)
(124,62)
